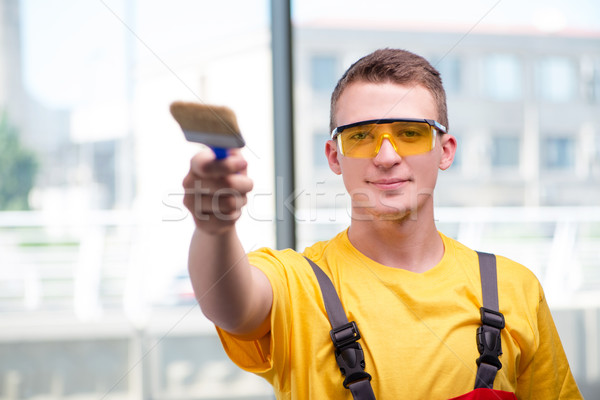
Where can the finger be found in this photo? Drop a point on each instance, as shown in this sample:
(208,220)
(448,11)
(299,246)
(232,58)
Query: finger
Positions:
(222,201)
(238,184)
(204,164)
(218,205)
(210,213)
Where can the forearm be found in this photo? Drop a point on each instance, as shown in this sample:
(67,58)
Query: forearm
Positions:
(234,295)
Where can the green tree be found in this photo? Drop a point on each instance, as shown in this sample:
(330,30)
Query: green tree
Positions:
(18,168)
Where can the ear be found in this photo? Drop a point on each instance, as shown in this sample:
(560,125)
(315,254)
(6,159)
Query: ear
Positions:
(448,145)
(331,151)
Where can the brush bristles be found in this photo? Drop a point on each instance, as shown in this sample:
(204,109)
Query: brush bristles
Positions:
(197,117)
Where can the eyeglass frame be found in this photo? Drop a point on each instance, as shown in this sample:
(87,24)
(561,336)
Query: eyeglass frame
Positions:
(431,122)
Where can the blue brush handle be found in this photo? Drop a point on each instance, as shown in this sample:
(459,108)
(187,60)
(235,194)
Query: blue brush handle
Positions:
(220,153)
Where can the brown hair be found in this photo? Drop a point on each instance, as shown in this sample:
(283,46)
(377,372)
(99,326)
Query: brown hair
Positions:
(395,66)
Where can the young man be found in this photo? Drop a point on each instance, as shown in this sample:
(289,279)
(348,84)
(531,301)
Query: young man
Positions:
(414,293)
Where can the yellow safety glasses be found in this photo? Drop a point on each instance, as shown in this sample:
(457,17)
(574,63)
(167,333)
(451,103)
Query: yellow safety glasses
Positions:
(408,136)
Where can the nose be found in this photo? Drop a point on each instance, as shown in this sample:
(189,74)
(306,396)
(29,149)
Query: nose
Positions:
(387,156)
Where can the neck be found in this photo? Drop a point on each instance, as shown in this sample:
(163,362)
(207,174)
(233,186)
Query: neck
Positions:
(411,243)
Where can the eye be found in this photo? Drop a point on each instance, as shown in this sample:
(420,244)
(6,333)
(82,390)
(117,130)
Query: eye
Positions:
(410,134)
(359,136)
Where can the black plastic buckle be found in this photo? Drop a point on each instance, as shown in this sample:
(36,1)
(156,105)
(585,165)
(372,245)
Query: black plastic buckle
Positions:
(359,376)
(492,318)
(349,354)
(344,335)
(489,341)
(351,361)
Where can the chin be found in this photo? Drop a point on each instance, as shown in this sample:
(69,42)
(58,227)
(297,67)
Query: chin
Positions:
(386,214)
(398,216)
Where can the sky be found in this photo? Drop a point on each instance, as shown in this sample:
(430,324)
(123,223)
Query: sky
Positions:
(65,42)
(574,13)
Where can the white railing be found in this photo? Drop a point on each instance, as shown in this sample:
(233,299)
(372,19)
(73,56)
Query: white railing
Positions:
(561,245)
(50,262)
(99,260)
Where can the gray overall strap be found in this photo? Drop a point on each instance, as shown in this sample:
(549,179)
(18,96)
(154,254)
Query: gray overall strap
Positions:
(344,335)
(492,322)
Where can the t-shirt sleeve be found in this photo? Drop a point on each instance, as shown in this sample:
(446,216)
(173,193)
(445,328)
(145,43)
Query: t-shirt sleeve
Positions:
(260,356)
(548,375)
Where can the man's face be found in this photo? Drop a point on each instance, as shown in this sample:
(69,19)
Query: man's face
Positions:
(388,186)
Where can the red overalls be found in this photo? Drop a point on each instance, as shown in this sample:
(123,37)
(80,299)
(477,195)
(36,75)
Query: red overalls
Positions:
(486,394)
(349,354)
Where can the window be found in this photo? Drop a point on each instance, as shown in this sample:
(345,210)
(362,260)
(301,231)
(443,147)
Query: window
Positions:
(318,149)
(559,153)
(95,162)
(557,79)
(502,77)
(505,151)
(594,83)
(450,69)
(323,73)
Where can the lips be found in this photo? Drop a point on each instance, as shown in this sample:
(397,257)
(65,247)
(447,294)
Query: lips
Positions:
(388,183)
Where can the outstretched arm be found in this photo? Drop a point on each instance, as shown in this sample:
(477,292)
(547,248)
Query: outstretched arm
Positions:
(236,296)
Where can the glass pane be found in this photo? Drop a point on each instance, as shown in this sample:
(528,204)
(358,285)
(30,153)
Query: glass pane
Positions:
(559,153)
(319,160)
(496,193)
(93,233)
(451,70)
(502,77)
(596,84)
(323,73)
(505,151)
(557,79)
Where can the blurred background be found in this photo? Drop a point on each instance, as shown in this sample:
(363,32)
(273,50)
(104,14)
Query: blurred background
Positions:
(95,301)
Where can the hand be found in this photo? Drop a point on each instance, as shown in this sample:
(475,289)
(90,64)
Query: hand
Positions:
(215,190)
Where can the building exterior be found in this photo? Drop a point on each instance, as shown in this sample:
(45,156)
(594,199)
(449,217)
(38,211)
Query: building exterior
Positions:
(524,106)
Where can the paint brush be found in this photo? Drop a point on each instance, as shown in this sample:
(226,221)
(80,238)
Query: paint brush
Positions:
(211,125)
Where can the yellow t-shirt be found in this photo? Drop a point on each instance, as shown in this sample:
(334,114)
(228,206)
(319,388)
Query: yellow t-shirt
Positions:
(418,330)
